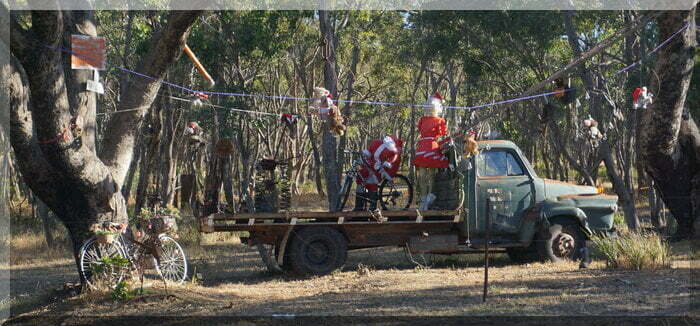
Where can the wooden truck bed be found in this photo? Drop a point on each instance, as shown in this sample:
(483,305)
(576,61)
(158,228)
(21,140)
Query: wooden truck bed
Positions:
(362,228)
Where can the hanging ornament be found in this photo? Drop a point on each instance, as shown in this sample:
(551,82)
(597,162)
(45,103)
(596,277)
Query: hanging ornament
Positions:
(471,147)
(289,121)
(641,98)
(196,99)
(565,94)
(593,131)
(195,133)
(323,104)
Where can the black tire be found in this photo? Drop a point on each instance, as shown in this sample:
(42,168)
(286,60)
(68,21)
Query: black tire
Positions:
(317,251)
(562,241)
(387,195)
(521,255)
(344,194)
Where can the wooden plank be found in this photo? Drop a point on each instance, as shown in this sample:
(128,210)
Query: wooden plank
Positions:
(331,215)
(262,227)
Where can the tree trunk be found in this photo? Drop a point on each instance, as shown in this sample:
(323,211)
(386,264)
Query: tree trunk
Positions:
(64,170)
(671,140)
(624,193)
(328,142)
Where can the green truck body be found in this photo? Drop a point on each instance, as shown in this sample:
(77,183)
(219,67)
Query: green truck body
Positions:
(530,217)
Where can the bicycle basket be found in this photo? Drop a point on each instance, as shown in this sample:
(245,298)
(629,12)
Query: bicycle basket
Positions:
(161,224)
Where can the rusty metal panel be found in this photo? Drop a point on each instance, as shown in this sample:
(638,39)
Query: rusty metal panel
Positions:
(434,243)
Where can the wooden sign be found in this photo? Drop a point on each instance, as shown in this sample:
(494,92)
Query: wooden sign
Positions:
(87,52)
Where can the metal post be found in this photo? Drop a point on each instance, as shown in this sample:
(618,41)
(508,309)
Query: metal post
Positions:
(486,252)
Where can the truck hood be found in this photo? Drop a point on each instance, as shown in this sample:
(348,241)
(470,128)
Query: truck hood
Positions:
(555,188)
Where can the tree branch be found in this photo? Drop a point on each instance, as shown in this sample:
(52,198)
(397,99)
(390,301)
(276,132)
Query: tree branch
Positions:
(594,51)
(140,93)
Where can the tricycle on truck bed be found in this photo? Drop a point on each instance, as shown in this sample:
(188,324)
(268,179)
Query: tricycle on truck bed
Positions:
(531,218)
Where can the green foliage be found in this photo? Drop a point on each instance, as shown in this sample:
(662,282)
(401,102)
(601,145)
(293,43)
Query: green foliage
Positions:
(122,292)
(635,251)
(101,232)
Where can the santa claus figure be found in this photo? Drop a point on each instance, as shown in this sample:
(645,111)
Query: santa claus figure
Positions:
(383,157)
(641,98)
(429,156)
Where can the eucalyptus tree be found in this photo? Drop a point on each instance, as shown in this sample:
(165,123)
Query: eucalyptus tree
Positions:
(62,167)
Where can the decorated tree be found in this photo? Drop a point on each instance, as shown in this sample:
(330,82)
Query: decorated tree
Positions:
(52,116)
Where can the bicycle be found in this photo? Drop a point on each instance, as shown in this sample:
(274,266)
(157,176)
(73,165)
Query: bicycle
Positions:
(107,262)
(395,193)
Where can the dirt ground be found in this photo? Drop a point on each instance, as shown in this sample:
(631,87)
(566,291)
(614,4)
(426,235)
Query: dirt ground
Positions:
(375,282)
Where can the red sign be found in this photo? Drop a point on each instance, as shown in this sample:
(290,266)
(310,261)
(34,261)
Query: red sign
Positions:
(87,52)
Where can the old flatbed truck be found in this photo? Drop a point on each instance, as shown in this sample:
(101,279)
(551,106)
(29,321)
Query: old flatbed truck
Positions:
(531,218)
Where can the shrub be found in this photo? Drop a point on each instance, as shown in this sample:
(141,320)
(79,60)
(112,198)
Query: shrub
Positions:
(121,292)
(634,251)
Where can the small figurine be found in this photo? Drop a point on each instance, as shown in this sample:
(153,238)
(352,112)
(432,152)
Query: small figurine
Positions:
(593,130)
(323,102)
(641,98)
(471,147)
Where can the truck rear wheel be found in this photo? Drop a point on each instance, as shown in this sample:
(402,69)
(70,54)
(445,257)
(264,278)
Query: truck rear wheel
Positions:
(562,241)
(317,251)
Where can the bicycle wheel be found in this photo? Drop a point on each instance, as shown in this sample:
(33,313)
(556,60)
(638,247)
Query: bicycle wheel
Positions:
(97,265)
(396,194)
(343,194)
(173,263)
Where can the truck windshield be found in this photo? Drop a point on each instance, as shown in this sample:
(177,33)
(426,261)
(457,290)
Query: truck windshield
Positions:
(498,164)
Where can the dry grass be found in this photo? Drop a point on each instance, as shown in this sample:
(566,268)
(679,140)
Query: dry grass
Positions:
(379,282)
(29,248)
(635,251)
(231,280)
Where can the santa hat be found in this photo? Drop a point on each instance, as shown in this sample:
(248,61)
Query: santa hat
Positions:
(193,125)
(286,117)
(434,104)
(637,93)
(390,144)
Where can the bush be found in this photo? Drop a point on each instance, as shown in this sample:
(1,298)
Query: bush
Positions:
(634,251)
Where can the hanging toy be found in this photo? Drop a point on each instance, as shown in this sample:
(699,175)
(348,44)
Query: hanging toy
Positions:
(323,102)
(593,130)
(471,147)
(641,98)
(565,94)
(195,133)
(289,121)
(196,99)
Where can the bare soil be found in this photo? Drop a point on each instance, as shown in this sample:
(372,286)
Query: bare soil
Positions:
(375,282)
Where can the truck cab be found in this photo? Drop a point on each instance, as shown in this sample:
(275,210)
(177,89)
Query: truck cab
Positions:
(526,211)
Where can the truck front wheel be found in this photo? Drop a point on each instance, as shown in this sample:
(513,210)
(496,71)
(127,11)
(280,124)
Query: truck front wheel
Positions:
(317,251)
(562,241)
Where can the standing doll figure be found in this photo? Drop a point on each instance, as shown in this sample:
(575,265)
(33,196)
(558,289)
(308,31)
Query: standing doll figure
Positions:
(429,156)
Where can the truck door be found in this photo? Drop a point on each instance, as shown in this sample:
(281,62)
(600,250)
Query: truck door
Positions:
(502,177)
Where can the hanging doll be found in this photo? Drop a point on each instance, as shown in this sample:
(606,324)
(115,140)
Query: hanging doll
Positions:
(641,98)
(592,127)
(470,145)
(565,93)
(196,101)
(195,133)
(323,102)
(429,156)
(289,121)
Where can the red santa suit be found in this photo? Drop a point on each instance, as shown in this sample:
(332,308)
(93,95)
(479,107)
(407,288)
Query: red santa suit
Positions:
(381,154)
(428,153)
